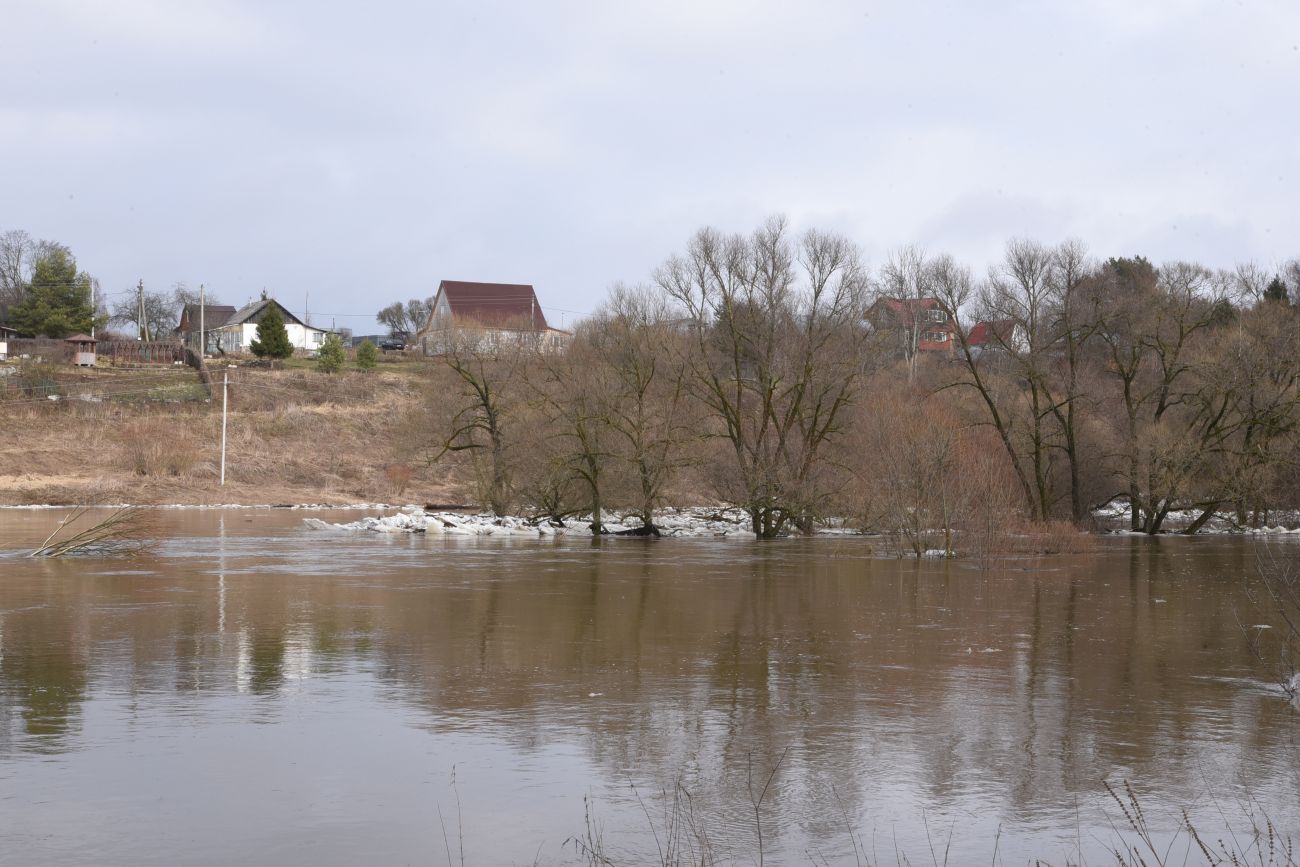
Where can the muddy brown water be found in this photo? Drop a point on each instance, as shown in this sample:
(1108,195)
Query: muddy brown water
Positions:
(257,692)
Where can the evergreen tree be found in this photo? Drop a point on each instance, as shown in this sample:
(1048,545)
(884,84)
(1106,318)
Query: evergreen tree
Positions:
(367,355)
(1276,291)
(272,339)
(330,357)
(58,300)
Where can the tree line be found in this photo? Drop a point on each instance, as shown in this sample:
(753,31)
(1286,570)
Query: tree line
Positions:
(44,293)
(765,370)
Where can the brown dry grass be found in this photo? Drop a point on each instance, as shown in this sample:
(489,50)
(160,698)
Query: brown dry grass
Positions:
(294,436)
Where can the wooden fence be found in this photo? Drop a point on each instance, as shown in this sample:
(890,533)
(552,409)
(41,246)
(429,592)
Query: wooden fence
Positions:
(140,352)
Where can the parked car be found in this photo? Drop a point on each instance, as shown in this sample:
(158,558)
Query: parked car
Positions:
(393,344)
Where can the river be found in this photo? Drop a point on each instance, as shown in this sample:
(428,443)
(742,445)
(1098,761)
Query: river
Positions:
(259,692)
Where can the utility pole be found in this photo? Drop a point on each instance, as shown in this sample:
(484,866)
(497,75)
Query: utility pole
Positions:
(94,310)
(143,333)
(225,398)
(203,332)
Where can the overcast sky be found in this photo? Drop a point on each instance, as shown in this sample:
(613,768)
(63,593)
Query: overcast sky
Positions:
(361,152)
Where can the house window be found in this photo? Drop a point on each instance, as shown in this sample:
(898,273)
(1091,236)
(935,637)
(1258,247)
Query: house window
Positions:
(317,337)
(936,336)
(935,314)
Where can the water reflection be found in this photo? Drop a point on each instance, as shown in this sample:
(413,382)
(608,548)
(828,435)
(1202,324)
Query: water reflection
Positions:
(884,690)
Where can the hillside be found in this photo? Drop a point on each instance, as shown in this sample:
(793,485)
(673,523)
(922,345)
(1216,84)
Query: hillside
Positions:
(152,436)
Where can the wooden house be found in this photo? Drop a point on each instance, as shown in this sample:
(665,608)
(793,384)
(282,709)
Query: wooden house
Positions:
(208,317)
(919,325)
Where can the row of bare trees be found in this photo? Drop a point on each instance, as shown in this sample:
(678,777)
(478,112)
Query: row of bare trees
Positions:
(751,369)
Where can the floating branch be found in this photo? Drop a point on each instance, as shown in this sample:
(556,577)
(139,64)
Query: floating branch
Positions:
(123,531)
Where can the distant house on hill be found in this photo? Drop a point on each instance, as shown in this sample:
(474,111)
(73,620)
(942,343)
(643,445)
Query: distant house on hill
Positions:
(208,317)
(998,335)
(495,312)
(240,329)
(920,325)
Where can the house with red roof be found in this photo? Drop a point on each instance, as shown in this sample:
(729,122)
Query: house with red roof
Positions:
(493,312)
(997,335)
(920,325)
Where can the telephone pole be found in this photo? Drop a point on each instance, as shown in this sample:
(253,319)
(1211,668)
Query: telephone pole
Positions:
(203,332)
(225,398)
(143,333)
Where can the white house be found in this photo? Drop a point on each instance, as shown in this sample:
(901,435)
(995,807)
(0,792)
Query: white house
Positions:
(240,330)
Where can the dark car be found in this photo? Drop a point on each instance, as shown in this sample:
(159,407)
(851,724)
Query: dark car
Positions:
(392,344)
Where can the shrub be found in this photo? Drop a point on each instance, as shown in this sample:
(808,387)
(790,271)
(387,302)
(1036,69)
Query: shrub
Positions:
(367,355)
(330,357)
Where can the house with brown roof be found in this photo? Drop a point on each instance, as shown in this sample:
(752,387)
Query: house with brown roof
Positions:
(208,317)
(490,312)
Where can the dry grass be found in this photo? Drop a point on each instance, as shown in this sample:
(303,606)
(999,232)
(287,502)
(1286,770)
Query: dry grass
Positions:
(294,436)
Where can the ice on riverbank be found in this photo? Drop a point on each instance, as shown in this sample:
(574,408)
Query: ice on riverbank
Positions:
(1284,523)
(700,522)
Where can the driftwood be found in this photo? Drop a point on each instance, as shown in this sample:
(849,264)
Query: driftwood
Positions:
(647,530)
(123,531)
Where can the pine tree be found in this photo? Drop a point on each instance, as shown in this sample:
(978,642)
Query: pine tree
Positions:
(1276,291)
(330,357)
(58,298)
(272,339)
(367,355)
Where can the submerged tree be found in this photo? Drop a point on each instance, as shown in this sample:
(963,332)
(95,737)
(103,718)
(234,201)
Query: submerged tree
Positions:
(776,328)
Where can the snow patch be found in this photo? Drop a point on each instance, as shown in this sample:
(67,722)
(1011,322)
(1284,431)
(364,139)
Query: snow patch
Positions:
(698,522)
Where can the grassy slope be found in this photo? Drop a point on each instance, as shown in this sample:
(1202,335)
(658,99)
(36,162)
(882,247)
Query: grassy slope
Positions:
(294,436)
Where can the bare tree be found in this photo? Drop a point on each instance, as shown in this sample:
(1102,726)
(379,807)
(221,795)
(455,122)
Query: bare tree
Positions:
(776,330)
(636,339)
(17,253)
(577,392)
(908,276)
(408,318)
(955,289)
(480,413)
(151,315)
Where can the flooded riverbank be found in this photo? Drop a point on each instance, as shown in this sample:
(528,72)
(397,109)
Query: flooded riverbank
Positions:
(258,692)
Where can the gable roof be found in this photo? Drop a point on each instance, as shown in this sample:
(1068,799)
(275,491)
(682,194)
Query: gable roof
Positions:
(253,313)
(493,303)
(1000,330)
(214,316)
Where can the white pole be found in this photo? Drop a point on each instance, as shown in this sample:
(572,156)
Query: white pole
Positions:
(225,396)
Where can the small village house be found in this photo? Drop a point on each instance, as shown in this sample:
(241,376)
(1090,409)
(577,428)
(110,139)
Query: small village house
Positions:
(998,335)
(920,325)
(6,333)
(209,318)
(238,332)
(497,312)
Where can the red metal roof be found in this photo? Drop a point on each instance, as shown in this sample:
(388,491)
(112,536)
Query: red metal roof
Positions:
(498,304)
(1000,330)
